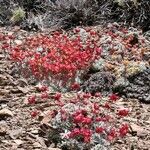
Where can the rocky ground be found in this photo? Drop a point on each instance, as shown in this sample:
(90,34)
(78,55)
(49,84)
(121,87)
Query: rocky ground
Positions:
(19,131)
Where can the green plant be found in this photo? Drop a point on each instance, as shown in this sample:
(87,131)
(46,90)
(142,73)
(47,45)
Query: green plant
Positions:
(18,15)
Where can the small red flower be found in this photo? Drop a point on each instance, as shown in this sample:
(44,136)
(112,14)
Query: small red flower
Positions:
(78,118)
(76,30)
(74,132)
(113,97)
(34,114)
(107,118)
(75,86)
(87,120)
(86,95)
(86,134)
(123,112)
(57,96)
(96,106)
(11,37)
(123,130)
(31,100)
(98,50)
(4,46)
(112,135)
(107,105)
(44,95)
(92,32)
(99,119)
(97,94)
(99,130)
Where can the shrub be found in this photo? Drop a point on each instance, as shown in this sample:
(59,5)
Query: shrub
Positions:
(10,9)
(5,11)
(18,15)
(82,121)
(86,122)
(34,6)
(132,12)
(57,59)
(72,13)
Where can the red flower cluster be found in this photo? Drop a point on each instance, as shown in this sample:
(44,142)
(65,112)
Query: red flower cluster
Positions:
(80,117)
(83,121)
(75,86)
(56,57)
(123,112)
(94,120)
(57,96)
(112,134)
(99,130)
(31,100)
(123,130)
(83,132)
(113,97)
(34,113)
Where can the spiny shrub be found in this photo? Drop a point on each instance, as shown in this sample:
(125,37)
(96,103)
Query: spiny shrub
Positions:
(71,13)
(136,12)
(35,6)
(5,11)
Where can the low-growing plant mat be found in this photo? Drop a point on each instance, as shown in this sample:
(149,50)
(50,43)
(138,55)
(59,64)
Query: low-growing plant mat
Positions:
(20,131)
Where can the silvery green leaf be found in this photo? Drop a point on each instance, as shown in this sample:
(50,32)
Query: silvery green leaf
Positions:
(98,64)
(100,147)
(99,139)
(78,80)
(39,49)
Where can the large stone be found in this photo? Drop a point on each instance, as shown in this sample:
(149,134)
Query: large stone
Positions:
(5,113)
(99,82)
(135,86)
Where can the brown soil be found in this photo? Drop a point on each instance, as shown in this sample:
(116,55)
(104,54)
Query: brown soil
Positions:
(19,131)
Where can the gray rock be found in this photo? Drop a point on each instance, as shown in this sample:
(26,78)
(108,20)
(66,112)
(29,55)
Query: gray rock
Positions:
(99,82)
(138,86)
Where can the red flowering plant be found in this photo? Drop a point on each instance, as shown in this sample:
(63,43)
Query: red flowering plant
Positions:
(86,122)
(5,42)
(57,58)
